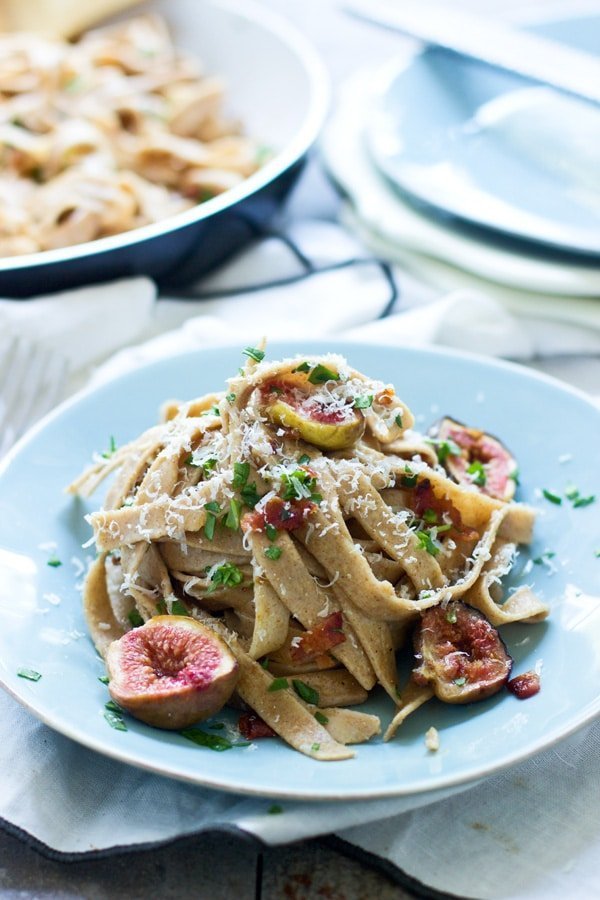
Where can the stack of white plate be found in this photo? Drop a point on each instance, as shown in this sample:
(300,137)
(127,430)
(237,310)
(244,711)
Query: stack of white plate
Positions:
(470,177)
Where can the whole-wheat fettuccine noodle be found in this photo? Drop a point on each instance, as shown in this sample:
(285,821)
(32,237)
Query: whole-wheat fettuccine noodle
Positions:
(300,516)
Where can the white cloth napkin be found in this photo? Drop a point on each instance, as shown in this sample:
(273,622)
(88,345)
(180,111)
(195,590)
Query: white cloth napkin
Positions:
(529,833)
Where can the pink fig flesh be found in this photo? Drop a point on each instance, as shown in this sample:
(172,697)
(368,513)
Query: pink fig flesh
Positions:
(482,459)
(460,654)
(171,672)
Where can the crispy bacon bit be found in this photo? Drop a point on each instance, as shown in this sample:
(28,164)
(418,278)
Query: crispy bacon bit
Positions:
(384,397)
(252,727)
(316,642)
(525,685)
(285,515)
(425,499)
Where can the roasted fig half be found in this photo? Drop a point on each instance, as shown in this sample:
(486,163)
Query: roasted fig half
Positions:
(171,672)
(323,422)
(459,654)
(471,456)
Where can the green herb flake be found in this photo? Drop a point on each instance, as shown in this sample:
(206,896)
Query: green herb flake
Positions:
(233,516)
(265,663)
(597,554)
(584,501)
(451,616)
(273,552)
(459,682)
(409,479)
(305,692)
(226,575)
(134,618)
(103,678)
(212,510)
(448,448)
(315,748)
(321,718)
(398,420)
(249,494)
(217,726)
(54,562)
(299,485)
(161,608)
(112,449)
(204,739)
(241,471)
(253,353)
(303,367)
(304,459)
(178,609)
(427,543)
(29,674)
(278,684)
(477,472)
(363,402)
(514,475)
(275,809)
(544,557)
(230,397)
(115,719)
(321,374)
(571,492)
(430,516)
(113,707)
(552,497)
(271,532)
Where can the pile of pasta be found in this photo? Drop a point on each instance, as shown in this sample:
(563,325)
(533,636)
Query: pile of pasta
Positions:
(115,131)
(312,562)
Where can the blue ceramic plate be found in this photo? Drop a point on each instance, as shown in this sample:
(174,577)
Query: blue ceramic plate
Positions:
(492,149)
(553,431)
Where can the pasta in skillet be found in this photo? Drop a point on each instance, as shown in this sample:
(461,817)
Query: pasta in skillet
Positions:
(108,134)
(301,517)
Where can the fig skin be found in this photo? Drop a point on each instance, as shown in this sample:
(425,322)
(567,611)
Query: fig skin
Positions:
(325,435)
(476,445)
(457,642)
(171,672)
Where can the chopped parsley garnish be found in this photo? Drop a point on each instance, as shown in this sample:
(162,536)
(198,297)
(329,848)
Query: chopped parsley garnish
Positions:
(315,748)
(217,726)
(544,557)
(233,516)
(204,739)
(299,485)
(583,501)
(271,532)
(321,374)
(213,411)
(451,616)
(571,492)
(409,480)
(303,367)
(363,402)
(459,682)
(112,449)
(161,608)
(305,692)
(444,448)
(212,510)
(273,552)
(398,420)
(265,663)
(207,464)
(477,472)
(249,494)
(273,389)
(253,353)
(597,554)
(54,561)
(134,618)
(321,718)
(230,397)
(304,459)
(226,575)
(241,471)
(552,497)
(178,609)
(278,684)
(114,716)
(29,674)
(275,809)
(514,475)
(426,542)
(430,516)
(103,678)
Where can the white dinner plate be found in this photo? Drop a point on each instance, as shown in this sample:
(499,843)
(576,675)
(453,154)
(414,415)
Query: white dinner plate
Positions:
(553,431)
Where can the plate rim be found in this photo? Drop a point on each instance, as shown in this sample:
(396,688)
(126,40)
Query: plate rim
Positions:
(583,718)
(381,83)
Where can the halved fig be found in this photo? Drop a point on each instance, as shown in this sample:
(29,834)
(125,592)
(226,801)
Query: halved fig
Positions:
(459,654)
(171,672)
(471,456)
(327,425)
